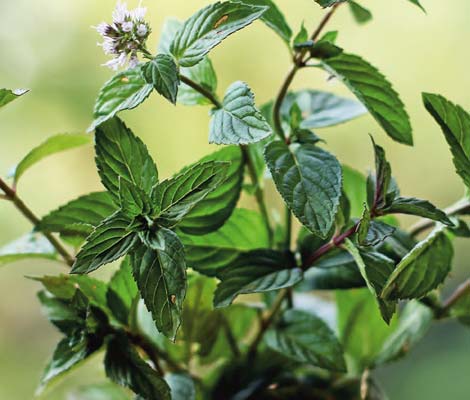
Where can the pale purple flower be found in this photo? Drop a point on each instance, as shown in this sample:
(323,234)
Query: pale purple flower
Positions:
(125,37)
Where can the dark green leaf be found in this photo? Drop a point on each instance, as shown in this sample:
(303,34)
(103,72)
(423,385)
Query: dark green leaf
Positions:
(377,233)
(176,197)
(306,338)
(208,27)
(375,92)
(54,144)
(380,187)
(182,387)
(8,95)
(309,180)
(329,3)
(28,246)
(125,91)
(418,4)
(133,200)
(413,325)
(361,15)
(238,121)
(323,50)
(421,208)
(122,155)
(256,271)
(455,123)
(212,212)
(124,366)
(162,73)
(214,251)
(423,269)
(159,269)
(111,240)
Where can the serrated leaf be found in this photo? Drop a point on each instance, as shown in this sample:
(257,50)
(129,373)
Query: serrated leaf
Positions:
(210,253)
(421,208)
(125,91)
(273,18)
(214,210)
(377,233)
(124,366)
(122,155)
(8,95)
(160,274)
(309,180)
(380,189)
(423,269)
(375,92)
(238,121)
(28,246)
(413,325)
(111,240)
(162,73)
(182,386)
(455,124)
(132,199)
(174,198)
(361,15)
(306,338)
(256,271)
(54,144)
(208,27)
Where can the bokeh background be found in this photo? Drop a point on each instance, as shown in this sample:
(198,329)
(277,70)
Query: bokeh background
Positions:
(50,47)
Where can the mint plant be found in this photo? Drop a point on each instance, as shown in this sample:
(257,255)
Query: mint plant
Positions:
(167,321)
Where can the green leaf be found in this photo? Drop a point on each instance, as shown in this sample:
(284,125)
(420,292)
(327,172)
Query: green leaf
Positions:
(182,387)
(355,186)
(210,253)
(208,27)
(121,292)
(380,188)
(214,210)
(79,217)
(159,269)
(413,325)
(376,269)
(256,271)
(54,144)
(309,180)
(8,95)
(361,15)
(133,200)
(124,366)
(125,91)
(28,246)
(122,155)
(416,2)
(421,208)
(377,233)
(103,391)
(273,18)
(375,92)
(203,74)
(301,37)
(111,240)
(455,123)
(461,308)
(329,3)
(162,73)
(238,121)
(423,269)
(174,198)
(306,338)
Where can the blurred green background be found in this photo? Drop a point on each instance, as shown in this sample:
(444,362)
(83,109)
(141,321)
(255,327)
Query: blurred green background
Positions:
(50,47)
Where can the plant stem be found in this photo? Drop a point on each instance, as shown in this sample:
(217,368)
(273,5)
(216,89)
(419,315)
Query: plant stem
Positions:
(12,196)
(231,339)
(460,292)
(197,87)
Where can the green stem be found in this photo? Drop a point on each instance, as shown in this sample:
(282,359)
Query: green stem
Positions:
(11,195)
(461,291)
(198,88)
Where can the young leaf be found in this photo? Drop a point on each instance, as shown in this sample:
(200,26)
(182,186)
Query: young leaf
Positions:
(208,27)
(28,246)
(159,269)
(212,212)
(377,233)
(375,92)
(455,123)
(174,198)
(329,3)
(210,253)
(8,95)
(413,325)
(380,185)
(273,18)
(52,145)
(111,240)
(306,338)
(238,121)
(361,15)
(162,73)
(416,2)
(256,271)
(421,208)
(309,180)
(125,91)
(302,37)
(124,366)
(122,155)
(423,269)
(182,387)
(132,199)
